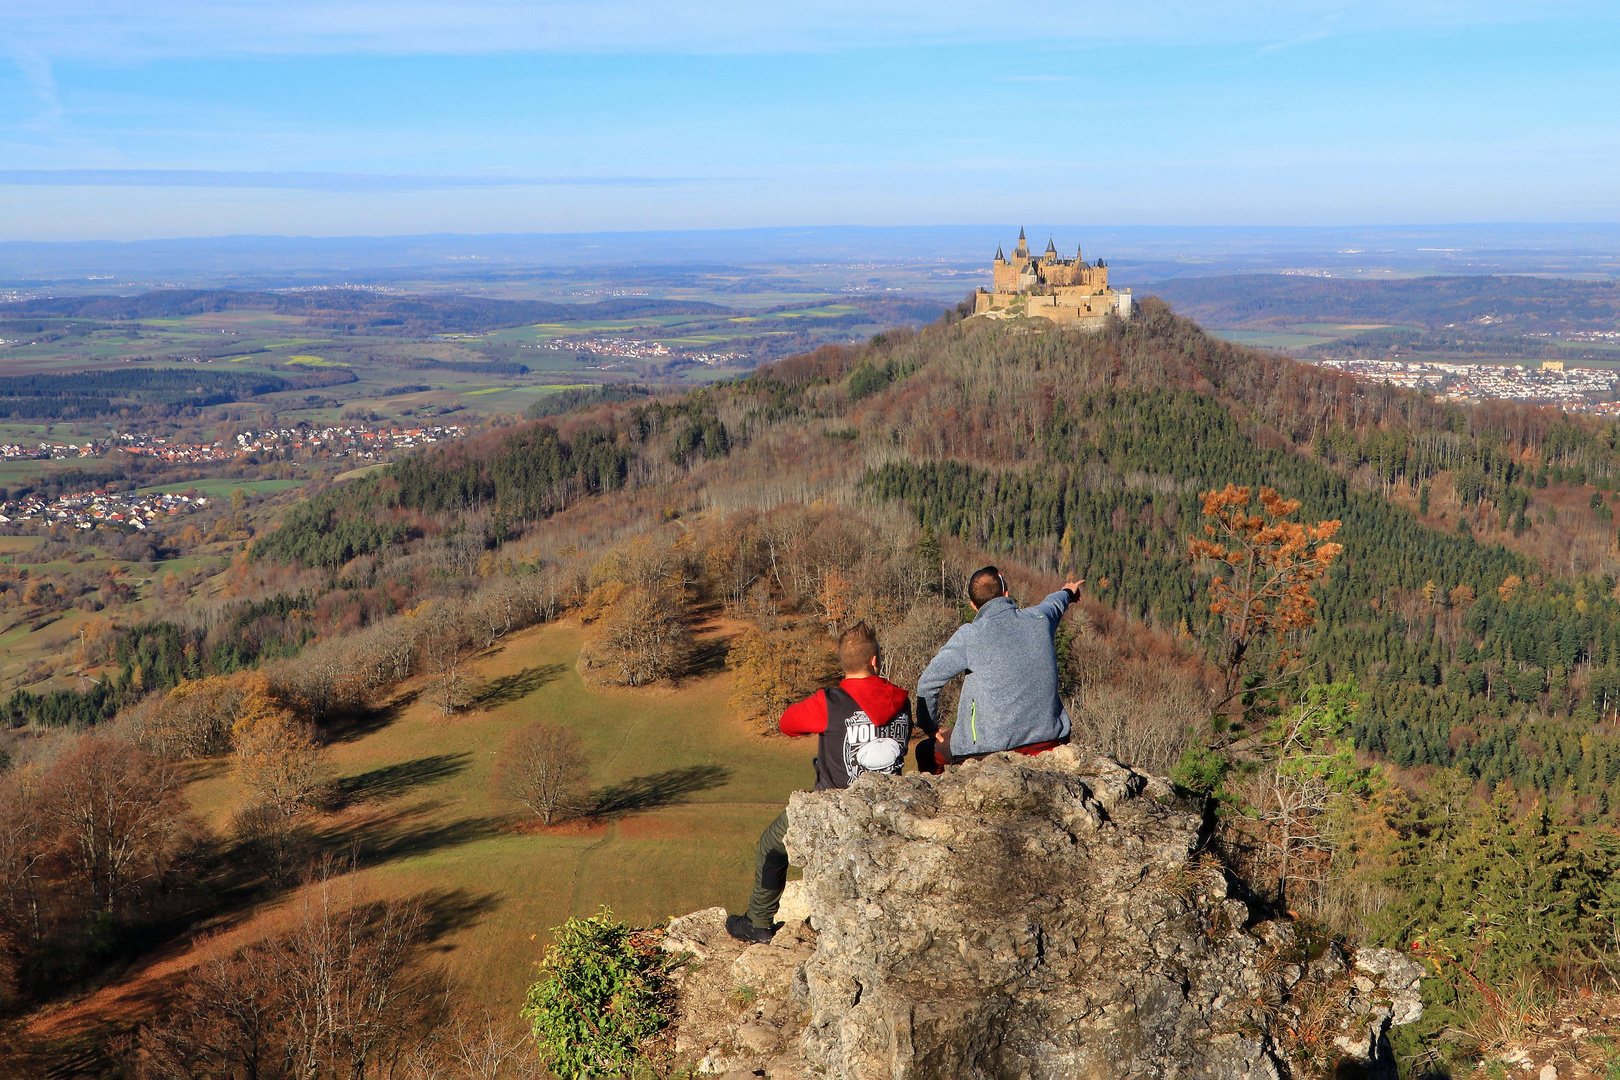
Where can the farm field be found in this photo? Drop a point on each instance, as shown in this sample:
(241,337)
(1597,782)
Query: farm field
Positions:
(351,359)
(1265,339)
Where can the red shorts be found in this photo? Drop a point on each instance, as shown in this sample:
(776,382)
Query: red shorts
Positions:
(1031,750)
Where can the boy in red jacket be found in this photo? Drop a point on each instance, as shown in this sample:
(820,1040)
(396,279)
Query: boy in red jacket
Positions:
(864,724)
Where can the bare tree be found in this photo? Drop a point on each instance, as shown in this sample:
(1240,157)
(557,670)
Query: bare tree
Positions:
(25,847)
(1307,768)
(494,611)
(1142,712)
(226,1024)
(120,811)
(396,645)
(445,648)
(642,639)
(910,645)
(480,1048)
(542,768)
(342,994)
(350,998)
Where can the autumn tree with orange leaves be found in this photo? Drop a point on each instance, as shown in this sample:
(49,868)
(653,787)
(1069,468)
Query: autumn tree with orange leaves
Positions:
(1265,565)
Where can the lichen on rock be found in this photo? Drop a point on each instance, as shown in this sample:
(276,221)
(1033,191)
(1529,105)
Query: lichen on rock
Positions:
(1032,918)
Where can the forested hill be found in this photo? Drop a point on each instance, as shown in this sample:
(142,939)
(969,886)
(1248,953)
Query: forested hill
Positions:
(1518,304)
(1087,454)
(1467,645)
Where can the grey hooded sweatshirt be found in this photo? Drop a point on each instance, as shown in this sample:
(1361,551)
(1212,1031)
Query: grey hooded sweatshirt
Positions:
(1010,697)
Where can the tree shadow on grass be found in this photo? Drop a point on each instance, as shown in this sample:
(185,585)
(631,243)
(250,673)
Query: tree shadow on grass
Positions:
(516,686)
(392,781)
(455,909)
(354,726)
(708,657)
(398,837)
(653,791)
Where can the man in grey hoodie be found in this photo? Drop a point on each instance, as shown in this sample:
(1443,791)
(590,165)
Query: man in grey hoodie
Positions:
(1010,696)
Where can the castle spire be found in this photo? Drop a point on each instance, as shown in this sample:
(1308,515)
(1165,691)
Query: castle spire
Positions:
(1020,232)
(1050,246)
(999,256)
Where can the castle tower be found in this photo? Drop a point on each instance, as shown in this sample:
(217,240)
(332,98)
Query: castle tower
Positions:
(1067,292)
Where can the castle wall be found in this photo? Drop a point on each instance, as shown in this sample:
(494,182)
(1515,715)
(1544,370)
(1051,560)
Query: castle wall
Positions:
(1066,291)
(1009,276)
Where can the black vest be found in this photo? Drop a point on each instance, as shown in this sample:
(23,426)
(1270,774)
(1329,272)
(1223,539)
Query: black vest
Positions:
(853,744)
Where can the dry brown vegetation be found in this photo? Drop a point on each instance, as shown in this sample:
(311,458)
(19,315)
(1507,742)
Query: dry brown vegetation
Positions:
(99,837)
(341,995)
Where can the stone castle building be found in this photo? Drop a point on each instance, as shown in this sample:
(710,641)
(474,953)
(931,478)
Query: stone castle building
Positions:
(1070,292)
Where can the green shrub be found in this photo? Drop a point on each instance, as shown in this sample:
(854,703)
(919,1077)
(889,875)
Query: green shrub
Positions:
(1200,770)
(869,379)
(604,991)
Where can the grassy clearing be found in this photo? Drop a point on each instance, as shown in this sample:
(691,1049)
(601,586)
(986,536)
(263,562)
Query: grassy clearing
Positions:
(20,645)
(704,785)
(686,850)
(364,470)
(222,486)
(313,361)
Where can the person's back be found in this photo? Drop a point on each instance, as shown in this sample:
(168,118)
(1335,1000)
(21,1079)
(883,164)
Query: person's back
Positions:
(1010,698)
(863,725)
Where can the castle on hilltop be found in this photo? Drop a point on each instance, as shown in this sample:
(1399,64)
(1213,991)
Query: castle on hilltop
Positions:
(1070,292)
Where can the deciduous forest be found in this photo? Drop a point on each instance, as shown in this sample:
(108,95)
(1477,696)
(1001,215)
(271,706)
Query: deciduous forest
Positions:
(1417,747)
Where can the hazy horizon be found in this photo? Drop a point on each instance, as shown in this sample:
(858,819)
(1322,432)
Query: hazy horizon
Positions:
(940,261)
(306,117)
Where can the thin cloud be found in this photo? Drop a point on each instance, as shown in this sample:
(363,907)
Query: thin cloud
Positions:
(36,69)
(137,29)
(316,181)
(1301,39)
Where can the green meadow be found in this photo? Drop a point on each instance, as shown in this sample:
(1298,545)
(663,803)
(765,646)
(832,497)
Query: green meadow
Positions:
(692,784)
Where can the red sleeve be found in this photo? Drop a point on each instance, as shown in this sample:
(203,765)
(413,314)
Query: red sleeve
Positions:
(808,717)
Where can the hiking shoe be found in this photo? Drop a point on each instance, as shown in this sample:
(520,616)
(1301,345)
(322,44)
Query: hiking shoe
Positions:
(739,927)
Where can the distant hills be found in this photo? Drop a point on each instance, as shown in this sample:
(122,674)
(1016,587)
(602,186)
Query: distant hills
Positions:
(1136,253)
(1479,301)
(406,314)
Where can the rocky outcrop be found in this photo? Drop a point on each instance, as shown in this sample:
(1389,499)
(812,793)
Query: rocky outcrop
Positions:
(1028,918)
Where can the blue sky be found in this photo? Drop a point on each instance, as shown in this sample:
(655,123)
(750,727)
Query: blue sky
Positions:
(126,119)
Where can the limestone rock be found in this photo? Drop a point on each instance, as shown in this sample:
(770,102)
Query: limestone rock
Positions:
(1030,918)
(795,905)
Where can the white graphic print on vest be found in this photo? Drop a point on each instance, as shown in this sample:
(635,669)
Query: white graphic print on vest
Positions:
(866,750)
